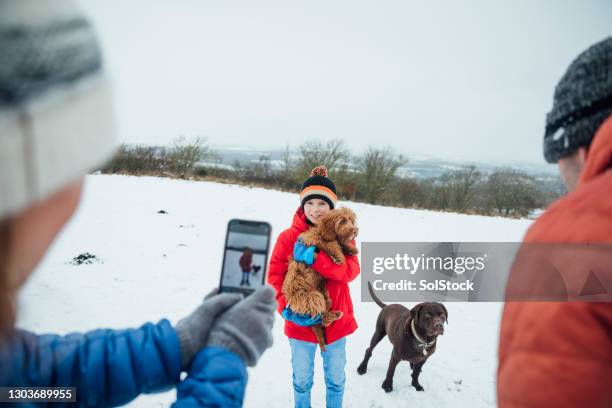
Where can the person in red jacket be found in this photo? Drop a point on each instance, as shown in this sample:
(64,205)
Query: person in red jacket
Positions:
(559,354)
(318,197)
(246,261)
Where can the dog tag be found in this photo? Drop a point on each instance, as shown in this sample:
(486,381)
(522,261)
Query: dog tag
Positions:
(424,351)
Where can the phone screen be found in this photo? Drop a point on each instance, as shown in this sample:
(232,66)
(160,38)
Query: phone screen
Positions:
(245,256)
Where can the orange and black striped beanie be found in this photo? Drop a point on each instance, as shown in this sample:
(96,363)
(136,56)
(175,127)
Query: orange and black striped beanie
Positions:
(318,185)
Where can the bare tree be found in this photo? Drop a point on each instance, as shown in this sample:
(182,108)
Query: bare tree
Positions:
(377,168)
(512,192)
(409,192)
(315,153)
(186,153)
(288,169)
(261,169)
(461,187)
(436,194)
(135,159)
(346,178)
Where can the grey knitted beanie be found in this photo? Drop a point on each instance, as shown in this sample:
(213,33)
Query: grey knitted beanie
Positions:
(56,117)
(582,102)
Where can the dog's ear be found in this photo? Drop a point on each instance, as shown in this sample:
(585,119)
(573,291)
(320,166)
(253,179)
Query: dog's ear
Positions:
(414,312)
(351,215)
(328,227)
(445,311)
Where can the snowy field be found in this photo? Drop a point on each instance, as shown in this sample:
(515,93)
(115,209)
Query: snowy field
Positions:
(156,265)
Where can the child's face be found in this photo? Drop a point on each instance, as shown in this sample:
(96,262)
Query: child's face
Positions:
(315,209)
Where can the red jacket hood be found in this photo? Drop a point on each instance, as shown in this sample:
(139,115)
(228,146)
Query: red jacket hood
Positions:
(599,156)
(584,215)
(299,220)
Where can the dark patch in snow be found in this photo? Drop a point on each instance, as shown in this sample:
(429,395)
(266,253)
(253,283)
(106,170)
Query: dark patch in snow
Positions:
(85,258)
(162,212)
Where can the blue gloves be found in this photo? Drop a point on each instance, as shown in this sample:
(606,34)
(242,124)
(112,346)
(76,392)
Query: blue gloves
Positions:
(300,319)
(302,253)
(217,378)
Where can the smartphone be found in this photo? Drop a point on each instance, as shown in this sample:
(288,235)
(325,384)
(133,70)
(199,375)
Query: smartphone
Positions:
(245,256)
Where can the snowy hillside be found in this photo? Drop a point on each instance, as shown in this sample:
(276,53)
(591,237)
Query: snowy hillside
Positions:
(155,265)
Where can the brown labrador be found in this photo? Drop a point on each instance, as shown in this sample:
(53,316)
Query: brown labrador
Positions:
(413,334)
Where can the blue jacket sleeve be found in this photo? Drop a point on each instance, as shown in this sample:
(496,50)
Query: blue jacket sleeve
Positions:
(217,378)
(107,367)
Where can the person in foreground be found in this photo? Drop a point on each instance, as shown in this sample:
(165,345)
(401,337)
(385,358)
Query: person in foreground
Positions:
(559,354)
(56,124)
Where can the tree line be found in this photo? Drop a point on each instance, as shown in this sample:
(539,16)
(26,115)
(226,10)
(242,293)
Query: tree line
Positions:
(373,176)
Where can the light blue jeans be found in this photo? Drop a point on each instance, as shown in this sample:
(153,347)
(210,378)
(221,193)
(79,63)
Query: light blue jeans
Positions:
(302,362)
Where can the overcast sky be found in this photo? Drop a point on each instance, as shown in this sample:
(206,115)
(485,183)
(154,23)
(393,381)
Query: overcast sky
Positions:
(451,79)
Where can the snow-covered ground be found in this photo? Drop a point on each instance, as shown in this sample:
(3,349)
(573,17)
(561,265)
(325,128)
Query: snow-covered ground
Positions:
(161,265)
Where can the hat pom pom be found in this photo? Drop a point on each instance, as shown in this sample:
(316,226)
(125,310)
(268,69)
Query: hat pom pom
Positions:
(319,171)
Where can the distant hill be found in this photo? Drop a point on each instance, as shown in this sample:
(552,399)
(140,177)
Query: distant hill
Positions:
(419,166)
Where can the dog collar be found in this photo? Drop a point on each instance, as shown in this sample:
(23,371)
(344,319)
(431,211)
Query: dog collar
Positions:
(422,343)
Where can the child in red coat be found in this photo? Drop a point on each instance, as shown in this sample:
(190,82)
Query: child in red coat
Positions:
(246,261)
(318,197)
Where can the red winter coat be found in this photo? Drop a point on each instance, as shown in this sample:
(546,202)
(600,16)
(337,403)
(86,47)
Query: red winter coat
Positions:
(560,354)
(245,262)
(337,279)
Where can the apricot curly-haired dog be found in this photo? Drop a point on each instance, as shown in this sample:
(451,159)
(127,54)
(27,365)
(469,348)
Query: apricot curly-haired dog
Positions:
(303,287)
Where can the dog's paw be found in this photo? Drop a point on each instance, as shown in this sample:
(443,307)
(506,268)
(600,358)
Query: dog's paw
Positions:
(336,260)
(387,386)
(418,387)
(351,251)
(361,370)
(329,318)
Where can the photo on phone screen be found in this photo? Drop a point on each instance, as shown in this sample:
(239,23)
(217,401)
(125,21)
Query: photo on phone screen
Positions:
(245,256)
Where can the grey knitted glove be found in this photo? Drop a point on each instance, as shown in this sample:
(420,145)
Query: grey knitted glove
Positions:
(193,330)
(246,329)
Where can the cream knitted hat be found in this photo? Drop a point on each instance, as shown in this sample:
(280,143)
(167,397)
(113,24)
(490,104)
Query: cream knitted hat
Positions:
(56,117)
